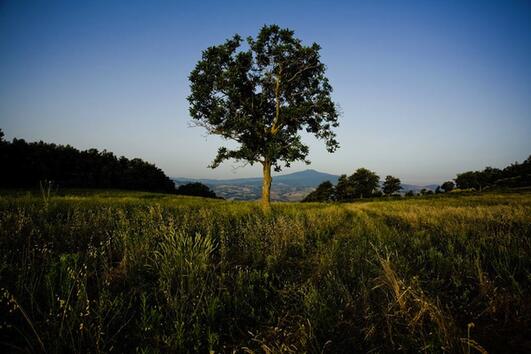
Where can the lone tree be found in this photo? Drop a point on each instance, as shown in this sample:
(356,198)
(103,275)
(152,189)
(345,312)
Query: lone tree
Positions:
(391,185)
(262,94)
(364,182)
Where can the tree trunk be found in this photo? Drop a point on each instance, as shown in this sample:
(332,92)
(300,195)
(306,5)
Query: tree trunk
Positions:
(266,186)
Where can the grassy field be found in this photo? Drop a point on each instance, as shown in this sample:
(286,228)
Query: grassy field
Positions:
(139,272)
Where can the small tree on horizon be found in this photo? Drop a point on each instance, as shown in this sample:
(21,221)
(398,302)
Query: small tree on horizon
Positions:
(391,185)
(344,190)
(261,95)
(364,182)
(448,186)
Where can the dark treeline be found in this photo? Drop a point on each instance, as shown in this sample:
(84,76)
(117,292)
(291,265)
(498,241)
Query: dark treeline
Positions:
(513,176)
(26,165)
(365,183)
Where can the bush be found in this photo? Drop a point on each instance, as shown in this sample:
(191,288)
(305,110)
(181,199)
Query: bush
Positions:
(196,189)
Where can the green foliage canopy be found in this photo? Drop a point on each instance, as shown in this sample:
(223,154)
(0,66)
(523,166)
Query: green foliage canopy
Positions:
(261,93)
(344,189)
(391,185)
(448,186)
(364,182)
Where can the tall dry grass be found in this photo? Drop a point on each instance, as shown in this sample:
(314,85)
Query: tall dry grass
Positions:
(126,272)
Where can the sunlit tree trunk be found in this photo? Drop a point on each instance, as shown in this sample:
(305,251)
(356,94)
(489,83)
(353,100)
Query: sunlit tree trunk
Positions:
(266,186)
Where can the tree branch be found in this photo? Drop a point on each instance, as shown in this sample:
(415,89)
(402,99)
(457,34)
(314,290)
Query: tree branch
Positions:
(275,127)
(301,71)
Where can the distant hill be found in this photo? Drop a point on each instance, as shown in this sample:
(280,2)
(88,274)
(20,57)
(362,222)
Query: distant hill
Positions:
(417,188)
(289,187)
(306,178)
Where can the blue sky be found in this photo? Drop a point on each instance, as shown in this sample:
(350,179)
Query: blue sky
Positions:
(427,88)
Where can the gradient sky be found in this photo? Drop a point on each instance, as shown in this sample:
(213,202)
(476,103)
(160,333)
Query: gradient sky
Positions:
(427,88)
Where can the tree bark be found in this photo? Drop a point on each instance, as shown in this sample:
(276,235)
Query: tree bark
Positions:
(266,186)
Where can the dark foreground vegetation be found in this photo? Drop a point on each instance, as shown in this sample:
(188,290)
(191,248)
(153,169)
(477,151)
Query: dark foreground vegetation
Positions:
(140,272)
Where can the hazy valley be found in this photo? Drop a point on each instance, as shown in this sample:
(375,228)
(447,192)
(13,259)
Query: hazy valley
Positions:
(291,187)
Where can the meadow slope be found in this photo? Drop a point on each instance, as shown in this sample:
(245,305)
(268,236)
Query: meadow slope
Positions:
(145,272)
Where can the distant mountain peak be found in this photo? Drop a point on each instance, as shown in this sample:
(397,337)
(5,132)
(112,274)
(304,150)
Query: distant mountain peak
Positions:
(308,171)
